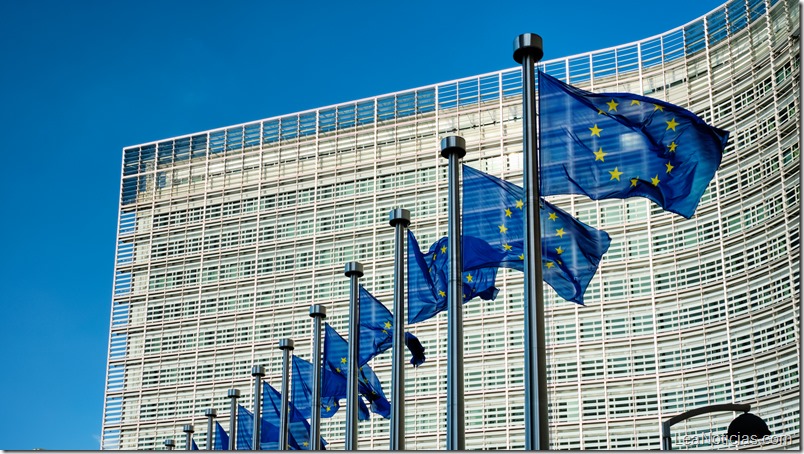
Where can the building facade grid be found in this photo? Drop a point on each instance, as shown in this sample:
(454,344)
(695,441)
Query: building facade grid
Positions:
(226,237)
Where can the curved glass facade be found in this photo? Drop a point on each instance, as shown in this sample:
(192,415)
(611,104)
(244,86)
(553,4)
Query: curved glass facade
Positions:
(227,236)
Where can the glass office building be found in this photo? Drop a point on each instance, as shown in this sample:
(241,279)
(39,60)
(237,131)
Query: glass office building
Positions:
(226,237)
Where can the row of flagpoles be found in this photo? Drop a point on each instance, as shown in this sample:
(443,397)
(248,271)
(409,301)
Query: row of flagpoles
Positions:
(496,225)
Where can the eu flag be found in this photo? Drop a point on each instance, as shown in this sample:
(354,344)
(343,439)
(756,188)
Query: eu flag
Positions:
(336,354)
(620,145)
(428,278)
(377,329)
(493,215)
(221,442)
(298,427)
(194,446)
(269,433)
(333,387)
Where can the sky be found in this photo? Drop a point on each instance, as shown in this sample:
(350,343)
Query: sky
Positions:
(82,79)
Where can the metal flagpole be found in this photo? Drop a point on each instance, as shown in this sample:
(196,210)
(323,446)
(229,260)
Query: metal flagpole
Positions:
(318,312)
(352,270)
(233,394)
(286,345)
(399,219)
(188,436)
(527,51)
(210,413)
(170,444)
(454,148)
(257,372)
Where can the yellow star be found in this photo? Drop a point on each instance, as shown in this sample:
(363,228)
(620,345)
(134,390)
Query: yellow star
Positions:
(443,249)
(672,147)
(520,204)
(521,256)
(559,250)
(441,293)
(615,174)
(657,107)
(388,325)
(612,105)
(553,216)
(595,130)
(669,167)
(560,232)
(343,360)
(338,369)
(508,212)
(306,444)
(655,180)
(599,155)
(329,408)
(672,124)
(435,254)
(507,247)
(503,228)
(550,265)
(634,182)
(634,102)
(600,112)
(469,277)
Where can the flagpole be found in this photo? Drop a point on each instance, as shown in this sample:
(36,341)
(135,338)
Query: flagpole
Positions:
(257,372)
(454,148)
(318,312)
(188,436)
(399,219)
(233,394)
(210,413)
(528,51)
(352,270)
(287,346)
(169,444)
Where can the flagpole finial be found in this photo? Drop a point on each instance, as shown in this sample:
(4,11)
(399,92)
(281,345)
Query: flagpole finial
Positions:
(318,310)
(399,216)
(188,429)
(233,393)
(286,344)
(257,371)
(528,44)
(453,144)
(353,268)
(210,413)
(170,444)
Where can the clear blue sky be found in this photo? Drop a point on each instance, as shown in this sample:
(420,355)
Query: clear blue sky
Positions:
(82,79)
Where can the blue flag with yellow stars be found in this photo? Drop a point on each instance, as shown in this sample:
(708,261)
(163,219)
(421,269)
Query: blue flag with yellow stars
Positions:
(377,330)
(336,354)
(333,387)
(269,433)
(298,427)
(428,277)
(221,441)
(494,214)
(620,145)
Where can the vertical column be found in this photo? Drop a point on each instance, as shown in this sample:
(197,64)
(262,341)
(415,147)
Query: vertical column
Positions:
(318,312)
(233,394)
(287,346)
(210,413)
(257,372)
(399,219)
(527,51)
(354,271)
(188,436)
(454,148)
